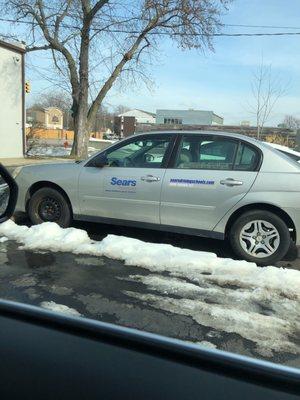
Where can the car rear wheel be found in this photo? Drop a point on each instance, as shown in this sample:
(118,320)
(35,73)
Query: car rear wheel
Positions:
(49,205)
(260,236)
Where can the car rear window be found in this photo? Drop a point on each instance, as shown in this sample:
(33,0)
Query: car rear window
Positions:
(290,155)
(247,158)
(198,152)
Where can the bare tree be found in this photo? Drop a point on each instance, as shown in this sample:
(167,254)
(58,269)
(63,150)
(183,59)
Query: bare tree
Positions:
(120,109)
(103,120)
(109,38)
(291,122)
(266,91)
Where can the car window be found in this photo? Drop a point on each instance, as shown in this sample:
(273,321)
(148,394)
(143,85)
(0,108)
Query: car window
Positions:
(198,152)
(290,155)
(142,153)
(247,158)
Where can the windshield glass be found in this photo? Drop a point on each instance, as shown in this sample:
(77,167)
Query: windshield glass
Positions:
(293,156)
(175,228)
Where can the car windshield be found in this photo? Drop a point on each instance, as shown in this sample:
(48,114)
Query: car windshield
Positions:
(287,151)
(139,134)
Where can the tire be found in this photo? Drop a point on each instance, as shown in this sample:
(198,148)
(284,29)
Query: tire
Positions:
(49,205)
(260,236)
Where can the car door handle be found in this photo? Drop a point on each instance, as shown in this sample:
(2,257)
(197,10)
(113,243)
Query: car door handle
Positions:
(150,178)
(231,182)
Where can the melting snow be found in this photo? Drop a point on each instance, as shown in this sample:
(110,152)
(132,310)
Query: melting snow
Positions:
(205,343)
(49,151)
(260,304)
(60,308)
(197,265)
(54,151)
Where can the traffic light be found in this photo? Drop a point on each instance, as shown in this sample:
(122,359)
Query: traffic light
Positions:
(27,87)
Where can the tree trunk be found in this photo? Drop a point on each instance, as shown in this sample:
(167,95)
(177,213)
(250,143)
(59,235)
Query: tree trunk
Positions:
(80,144)
(82,127)
(81,134)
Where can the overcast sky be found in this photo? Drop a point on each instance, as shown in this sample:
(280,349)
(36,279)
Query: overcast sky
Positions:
(220,81)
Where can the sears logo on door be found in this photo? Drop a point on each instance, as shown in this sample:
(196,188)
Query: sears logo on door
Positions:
(122,182)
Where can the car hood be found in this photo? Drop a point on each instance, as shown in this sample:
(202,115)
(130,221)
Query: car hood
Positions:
(50,165)
(53,171)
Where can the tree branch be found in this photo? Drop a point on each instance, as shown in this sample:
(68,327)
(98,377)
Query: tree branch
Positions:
(56,45)
(96,8)
(36,48)
(60,17)
(118,69)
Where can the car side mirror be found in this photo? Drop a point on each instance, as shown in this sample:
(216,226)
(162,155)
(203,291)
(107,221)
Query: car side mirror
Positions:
(100,161)
(8,194)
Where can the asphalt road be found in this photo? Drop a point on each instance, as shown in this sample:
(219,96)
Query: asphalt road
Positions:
(99,288)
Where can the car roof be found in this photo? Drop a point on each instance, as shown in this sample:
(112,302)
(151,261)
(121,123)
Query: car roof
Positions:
(210,133)
(281,163)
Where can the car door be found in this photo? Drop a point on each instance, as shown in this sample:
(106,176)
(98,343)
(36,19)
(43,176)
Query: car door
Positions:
(129,187)
(209,176)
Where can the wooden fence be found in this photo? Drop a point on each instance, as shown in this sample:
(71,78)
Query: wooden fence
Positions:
(58,134)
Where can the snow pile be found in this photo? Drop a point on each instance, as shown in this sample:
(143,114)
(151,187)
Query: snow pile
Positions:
(92,150)
(54,151)
(260,304)
(157,257)
(205,343)
(47,236)
(49,151)
(60,308)
(109,141)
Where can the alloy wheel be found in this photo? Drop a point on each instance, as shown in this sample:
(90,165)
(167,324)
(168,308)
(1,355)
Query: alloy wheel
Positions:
(259,238)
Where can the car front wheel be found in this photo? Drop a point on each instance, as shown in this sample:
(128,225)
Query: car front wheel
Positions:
(260,236)
(49,205)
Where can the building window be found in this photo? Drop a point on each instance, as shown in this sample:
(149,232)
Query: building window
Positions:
(173,121)
(55,119)
(178,121)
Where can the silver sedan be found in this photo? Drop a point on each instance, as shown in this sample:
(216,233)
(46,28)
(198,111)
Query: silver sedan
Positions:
(217,185)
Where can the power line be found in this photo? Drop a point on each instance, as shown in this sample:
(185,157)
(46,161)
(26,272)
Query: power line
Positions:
(135,32)
(231,25)
(257,34)
(263,26)
(202,34)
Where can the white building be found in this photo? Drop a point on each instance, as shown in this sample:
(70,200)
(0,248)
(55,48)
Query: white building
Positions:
(45,117)
(188,117)
(12,95)
(141,117)
(245,123)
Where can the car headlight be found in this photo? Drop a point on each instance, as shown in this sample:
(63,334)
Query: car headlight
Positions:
(16,172)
